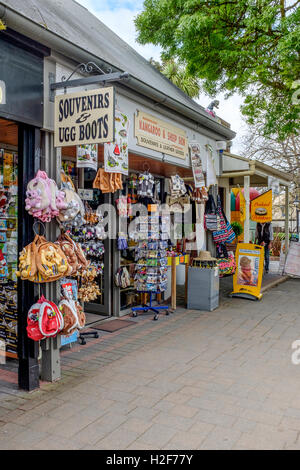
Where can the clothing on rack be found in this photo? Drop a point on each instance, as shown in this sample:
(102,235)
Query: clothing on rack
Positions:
(107,182)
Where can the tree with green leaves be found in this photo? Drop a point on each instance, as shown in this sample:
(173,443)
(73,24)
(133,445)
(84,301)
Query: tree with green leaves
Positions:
(178,74)
(250,47)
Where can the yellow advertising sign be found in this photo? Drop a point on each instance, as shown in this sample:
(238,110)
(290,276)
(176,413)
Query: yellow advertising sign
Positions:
(86,117)
(261,208)
(247,279)
(242,206)
(162,136)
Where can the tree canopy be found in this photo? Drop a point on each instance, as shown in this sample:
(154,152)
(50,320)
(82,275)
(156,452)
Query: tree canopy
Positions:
(251,47)
(177,73)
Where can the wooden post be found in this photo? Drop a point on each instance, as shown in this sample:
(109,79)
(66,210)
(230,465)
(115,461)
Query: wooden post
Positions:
(173,284)
(286,225)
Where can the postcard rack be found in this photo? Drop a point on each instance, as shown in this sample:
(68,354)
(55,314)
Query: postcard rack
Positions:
(151,261)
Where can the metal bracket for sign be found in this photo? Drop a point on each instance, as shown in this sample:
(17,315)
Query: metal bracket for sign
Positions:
(99,76)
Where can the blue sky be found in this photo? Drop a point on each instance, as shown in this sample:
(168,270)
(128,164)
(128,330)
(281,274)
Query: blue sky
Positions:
(119,16)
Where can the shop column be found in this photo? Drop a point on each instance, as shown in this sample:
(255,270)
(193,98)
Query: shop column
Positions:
(247,215)
(28,350)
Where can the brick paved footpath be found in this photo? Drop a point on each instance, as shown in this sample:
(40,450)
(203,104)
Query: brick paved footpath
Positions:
(192,380)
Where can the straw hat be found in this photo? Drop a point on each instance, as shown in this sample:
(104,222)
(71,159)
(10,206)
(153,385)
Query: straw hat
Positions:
(205,256)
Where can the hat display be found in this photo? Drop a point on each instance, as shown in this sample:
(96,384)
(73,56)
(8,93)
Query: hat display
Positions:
(205,256)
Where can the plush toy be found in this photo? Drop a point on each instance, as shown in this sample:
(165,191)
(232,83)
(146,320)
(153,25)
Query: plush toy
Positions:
(43,199)
(89,292)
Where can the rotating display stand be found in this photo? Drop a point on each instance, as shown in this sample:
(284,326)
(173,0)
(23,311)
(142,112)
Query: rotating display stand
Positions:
(151,261)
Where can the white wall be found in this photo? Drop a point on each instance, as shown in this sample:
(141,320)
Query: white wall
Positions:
(58,65)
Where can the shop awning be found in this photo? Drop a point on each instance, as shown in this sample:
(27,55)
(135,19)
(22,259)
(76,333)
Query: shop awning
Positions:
(236,167)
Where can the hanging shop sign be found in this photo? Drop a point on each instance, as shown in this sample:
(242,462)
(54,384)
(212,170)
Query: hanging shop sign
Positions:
(2,92)
(155,134)
(247,279)
(261,208)
(86,117)
(87,156)
(211,176)
(196,162)
(116,153)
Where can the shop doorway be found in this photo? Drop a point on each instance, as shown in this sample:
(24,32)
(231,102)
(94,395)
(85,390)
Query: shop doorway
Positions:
(83,178)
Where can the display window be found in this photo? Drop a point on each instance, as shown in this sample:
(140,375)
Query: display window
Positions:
(8,236)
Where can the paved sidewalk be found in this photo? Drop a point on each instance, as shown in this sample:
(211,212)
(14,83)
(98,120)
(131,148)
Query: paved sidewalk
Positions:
(192,380)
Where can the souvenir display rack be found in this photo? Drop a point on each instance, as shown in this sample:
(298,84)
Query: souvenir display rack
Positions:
(151,260)
(8,250)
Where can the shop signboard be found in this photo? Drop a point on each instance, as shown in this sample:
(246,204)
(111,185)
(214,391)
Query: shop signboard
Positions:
(292,265)
(159,135)
(247,279)
(261,208)
(85,117)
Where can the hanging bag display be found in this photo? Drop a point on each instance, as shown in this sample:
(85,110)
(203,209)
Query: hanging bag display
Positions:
(72,214)
(44,320)
(73,315)
(211,218)
(42,261)
(225,234)
(43,198)
(74,254)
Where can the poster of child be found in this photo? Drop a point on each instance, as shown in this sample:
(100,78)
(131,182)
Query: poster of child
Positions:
(248,270)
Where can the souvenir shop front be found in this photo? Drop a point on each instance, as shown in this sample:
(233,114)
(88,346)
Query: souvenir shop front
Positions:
(149,164)
(111,205)
(21,117)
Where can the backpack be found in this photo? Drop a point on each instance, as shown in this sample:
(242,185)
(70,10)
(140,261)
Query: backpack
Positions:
(42,261)
(73,212)
(74,254)
(43,199)
(73,315)
(44,320)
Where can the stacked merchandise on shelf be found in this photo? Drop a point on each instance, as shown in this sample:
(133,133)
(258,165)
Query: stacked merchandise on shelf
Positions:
(151,254)
(8,249)
(90,237)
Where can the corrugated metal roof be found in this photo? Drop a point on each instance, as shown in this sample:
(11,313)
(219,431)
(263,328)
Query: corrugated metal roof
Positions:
(73,22)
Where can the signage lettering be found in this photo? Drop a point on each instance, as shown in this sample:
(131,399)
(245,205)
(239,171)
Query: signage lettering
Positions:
(155,134)
(84,118)
(261,207)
